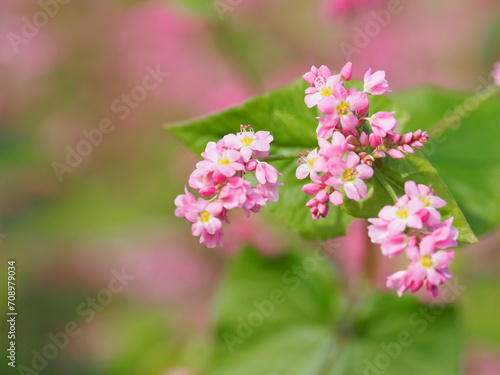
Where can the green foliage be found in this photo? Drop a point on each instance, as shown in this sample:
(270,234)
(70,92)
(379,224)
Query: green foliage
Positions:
(308,332)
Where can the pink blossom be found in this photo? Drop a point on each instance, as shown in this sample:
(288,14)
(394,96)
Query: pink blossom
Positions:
(405,213)
(184,203)
(341,107)
(496,73)
(322,72)
(429,199)
(428,265)
(349,175)
(266,173)
(445,235)
(383,123)
(250,143)
(307,165)
(337,147)
(375,83)
(322,88)
(346,71)
(234,193)
(222,160)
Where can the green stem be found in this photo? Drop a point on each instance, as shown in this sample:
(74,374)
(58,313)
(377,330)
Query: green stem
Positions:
(279,157)
(386,185)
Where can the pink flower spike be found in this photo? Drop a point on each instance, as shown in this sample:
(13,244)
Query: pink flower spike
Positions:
(496,74)
(375,83)
(383,123)
(346,71)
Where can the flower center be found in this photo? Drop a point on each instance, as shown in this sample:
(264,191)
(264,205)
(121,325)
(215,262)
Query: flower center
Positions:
(224,161)
(425,201)
(247,141)
(402,213)
(349,175)
(204,216)
(311,162)
(343,108)
(326,91)
(426,261)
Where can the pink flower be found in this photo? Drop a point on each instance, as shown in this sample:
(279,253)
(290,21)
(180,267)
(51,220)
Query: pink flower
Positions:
(375,83)
(445,234)
(342,107)
(234,193)
(322,72)
(249,143)
(336,148)
(184,203)
(383,123)
(430,201)
(496,73)
(428,265)
(307,165)
(346,71)
(405,213)
(322,88)
(222,160)
(349,175)
(266,173)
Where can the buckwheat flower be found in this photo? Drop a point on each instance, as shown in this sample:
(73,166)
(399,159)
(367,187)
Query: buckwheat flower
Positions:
(346,71)
(322,88)
(342,105)
(222,160)
(428,197)
(429,265)
(184,203)
(266,173)
(445,235)
(307,165)
(337,147)
(349,175)
(249,143)
(322,71)
(375,83)
(383,123)
(399,281)
(496,74)
(234,193)
(405,213)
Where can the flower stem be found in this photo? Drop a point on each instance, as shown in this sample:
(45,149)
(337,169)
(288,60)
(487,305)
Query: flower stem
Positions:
(386,184)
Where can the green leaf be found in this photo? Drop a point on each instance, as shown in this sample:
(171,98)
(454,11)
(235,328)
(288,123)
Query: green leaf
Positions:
(395,173)
(308,333)
(460,149)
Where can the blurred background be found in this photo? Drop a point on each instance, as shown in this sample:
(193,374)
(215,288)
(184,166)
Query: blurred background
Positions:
(73,213)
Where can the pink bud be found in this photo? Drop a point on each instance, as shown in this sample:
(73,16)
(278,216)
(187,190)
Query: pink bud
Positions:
(207,191)
(311,189)
(395,154)
(377,154)
(407,138)
(406,148)
(251,165)
(363,139)
(375,141)
(346,71)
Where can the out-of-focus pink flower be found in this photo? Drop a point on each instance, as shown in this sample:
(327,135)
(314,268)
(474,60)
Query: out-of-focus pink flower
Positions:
(342,7)
(383,123)
(496,73)
(375,83)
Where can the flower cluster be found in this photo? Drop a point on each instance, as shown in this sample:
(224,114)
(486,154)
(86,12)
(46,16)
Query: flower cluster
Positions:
(219,177)
(413,225)
(349,141)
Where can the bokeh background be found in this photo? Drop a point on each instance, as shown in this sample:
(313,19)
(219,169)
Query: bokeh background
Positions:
(114,209)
